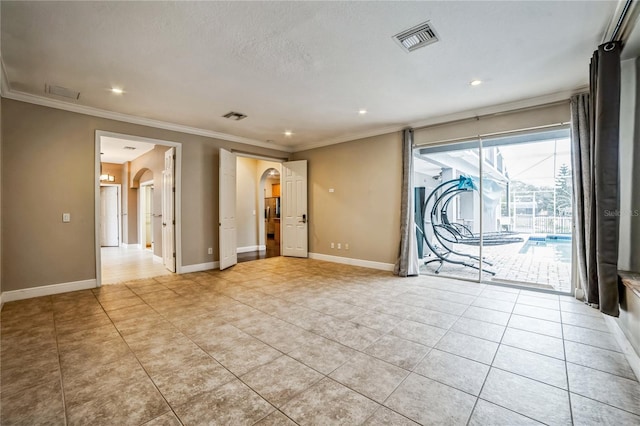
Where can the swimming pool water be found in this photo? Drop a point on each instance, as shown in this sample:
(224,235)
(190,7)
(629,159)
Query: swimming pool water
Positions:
(555,247)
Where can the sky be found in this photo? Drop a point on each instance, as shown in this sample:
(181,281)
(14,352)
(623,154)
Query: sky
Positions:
(533,163)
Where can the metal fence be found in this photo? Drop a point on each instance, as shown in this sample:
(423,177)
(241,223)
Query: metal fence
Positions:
(542,224)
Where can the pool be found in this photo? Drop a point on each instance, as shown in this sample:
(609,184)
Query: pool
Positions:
(556,247)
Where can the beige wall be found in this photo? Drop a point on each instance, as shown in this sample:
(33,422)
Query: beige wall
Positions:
(1,197)
(246,202)
(48,160)
(129,203)
(364,210)
(114,170)
(148,166)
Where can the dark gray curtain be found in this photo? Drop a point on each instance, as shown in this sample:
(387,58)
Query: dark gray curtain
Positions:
(407,263)
(595,121)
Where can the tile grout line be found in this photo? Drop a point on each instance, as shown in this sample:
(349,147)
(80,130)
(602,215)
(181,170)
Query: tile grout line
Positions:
(62,391)
(133,352)
(492,361)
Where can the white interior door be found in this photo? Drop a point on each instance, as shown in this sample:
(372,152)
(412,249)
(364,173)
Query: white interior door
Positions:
(227,202)
(168,210)
(109,225)
(294,209)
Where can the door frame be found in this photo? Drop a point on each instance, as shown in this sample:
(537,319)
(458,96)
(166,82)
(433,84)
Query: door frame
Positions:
(119,207)
(177,200)
(260,200)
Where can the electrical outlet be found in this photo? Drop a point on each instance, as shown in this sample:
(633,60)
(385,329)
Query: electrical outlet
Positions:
(210,251)
(346,246)
(333,245)
(339,246)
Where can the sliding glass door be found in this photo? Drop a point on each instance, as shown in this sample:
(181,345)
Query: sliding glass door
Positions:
(446,180)
(497,209)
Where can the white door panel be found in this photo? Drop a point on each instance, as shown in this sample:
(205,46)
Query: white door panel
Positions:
(294,210)
(168,211)
(227,225)
(109,225)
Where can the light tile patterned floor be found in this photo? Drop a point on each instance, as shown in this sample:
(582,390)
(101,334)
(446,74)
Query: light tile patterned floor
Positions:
(296,341)
(120,264)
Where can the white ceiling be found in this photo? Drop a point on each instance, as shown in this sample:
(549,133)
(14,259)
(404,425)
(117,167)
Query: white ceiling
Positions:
(307,67)
(112,150)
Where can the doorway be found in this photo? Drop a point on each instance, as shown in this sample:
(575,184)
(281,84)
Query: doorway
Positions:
(258,209)
(232,216)
(497,209)
(146,215)
(270,185)
(139,166)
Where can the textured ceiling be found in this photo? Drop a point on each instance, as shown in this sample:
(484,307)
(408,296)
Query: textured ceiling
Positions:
(113,150)
(307,67)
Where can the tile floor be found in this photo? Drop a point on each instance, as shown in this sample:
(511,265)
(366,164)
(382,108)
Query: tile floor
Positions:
(120,264)
(294,341)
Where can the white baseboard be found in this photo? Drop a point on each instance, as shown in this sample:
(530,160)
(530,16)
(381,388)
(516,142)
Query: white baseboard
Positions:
(354,262)
(47,290)
(158,259)
(186,269)
(625,345)
(132,246)
(249,249)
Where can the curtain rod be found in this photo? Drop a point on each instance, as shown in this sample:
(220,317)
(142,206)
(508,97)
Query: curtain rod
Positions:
(621,21)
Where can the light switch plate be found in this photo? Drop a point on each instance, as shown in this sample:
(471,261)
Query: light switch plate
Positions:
(66,217)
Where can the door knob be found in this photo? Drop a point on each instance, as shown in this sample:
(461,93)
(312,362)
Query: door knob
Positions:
(304,219)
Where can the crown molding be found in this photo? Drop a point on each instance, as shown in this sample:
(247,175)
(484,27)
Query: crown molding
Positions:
(493,109)
(8,93)
(347,137)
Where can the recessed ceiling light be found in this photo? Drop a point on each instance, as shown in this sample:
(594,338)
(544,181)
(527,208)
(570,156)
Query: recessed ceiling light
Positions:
(288,133)
(362,111)
(475,82)
(117,90)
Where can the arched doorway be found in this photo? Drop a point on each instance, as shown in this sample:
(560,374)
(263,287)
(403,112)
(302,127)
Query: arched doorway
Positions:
(270,197)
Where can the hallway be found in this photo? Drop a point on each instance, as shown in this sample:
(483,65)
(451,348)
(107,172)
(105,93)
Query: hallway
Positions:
(127,263)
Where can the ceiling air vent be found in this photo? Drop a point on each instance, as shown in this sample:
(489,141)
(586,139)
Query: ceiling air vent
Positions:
(61,91)
(234,116)
(416,37)
(129,147)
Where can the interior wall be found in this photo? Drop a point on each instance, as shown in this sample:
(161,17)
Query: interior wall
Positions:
(629,248)
(1,206)
(152,163)
(114,170)
(246,197)
(364,209)
(48,161)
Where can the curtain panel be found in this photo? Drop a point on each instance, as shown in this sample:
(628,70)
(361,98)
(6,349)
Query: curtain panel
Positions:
(595,121)
(407,264)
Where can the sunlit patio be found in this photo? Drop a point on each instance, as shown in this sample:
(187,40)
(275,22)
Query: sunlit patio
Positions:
(536,262)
